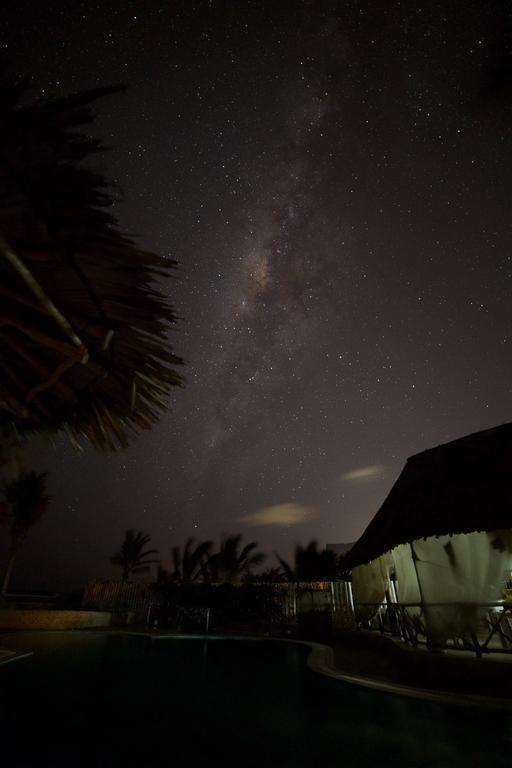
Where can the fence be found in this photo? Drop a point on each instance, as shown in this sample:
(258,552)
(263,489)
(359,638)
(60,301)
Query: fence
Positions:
(119,596)
(334,597)
(269,603)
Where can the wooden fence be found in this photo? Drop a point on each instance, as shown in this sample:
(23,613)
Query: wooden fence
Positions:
(292,598)
(119,596)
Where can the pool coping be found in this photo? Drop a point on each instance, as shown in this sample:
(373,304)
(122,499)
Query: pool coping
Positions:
(321,660)
(6,656)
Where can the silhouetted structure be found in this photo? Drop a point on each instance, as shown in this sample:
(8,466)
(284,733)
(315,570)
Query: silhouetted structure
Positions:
(83,328)
(438,553)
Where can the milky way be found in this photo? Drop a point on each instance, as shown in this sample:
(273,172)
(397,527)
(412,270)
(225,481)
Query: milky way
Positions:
(334,180)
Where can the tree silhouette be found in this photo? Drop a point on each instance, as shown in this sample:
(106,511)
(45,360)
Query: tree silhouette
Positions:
(27,501)
(311,564)
(191,564)
(84,343)
(231,563)
(271,576)
(132,558)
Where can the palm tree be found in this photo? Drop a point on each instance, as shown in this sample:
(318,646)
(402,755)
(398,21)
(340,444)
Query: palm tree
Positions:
(271,575)
(231,563)
(311,564)
(131,557)
(288,572)
(191,565)
(84,342)
(27,501)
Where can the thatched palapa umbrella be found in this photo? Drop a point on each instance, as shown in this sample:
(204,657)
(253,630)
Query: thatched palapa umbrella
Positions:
(84,323)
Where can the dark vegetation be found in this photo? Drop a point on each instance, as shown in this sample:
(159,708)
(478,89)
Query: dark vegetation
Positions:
(26,502)
(227,585)
(233,563)
(132,558)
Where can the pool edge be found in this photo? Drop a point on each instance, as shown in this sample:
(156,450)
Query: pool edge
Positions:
(321,661)
(16,656)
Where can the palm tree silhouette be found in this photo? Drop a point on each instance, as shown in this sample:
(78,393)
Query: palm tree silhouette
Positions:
(230,563)
(132,558)
(27,501)
(272,576)
(191,564)
(311,564)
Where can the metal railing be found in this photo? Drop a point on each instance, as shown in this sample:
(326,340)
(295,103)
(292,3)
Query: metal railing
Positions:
(477,627)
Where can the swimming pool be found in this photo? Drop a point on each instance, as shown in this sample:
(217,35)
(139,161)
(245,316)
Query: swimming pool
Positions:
(92,699)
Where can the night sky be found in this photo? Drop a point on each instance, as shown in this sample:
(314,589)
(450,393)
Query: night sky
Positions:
(334,180)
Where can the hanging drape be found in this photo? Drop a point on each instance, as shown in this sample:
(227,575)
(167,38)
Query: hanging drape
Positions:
(460,572)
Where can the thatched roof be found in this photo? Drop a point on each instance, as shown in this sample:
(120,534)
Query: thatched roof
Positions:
(84,320)
(458,487)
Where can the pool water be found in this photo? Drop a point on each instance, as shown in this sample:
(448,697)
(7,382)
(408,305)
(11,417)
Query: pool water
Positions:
(91,699)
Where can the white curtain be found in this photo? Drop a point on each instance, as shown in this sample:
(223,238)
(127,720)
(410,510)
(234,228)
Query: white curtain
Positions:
(466,568)
(407,586)
(369,584)
(460,571)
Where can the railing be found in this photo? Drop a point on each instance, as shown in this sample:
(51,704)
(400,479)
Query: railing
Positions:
(488,630)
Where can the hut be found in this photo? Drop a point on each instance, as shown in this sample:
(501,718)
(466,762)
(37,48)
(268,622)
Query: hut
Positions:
(435,562)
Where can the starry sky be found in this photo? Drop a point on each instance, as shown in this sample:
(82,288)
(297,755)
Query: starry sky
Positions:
(333,177)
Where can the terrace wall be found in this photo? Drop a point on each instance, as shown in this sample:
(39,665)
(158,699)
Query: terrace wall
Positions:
(13,618)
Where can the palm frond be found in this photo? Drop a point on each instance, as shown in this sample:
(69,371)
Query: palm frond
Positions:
(132,558)
(287,569)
